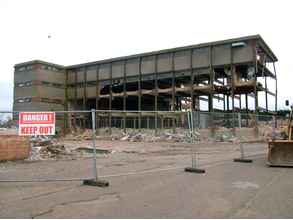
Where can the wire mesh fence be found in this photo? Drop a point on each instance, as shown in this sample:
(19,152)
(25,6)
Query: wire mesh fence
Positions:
(31,143)
(201,136)
(209,126)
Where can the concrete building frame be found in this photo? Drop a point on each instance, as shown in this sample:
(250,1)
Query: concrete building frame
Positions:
(167,80)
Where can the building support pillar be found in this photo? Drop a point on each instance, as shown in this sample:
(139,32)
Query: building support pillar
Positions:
(66,116)
(211,93)
(139,95)
(84,99)
(110,101)
(255,90)
(75,101)
(97,101)
(173,95)
(124,96)
(276,86)
(246,108)
(156,95)
(266,94)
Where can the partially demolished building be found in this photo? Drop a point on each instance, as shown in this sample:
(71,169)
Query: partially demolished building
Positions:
(227,71)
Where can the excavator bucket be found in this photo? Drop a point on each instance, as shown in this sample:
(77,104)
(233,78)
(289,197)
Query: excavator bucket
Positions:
(280,153)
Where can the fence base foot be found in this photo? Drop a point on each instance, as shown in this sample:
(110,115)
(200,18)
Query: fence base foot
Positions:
(194,170)
(93,182)
(242,160)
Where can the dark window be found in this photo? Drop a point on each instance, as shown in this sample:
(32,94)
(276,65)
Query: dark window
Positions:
(23,99)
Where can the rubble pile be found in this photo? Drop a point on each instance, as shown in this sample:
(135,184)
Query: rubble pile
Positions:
(222,134)
(85,134)
(133,135)
(267,133)
(78,143)
(45,147)
(225,137)
(70,147)
(163,137)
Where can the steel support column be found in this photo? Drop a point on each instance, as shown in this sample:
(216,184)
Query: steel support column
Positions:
(276,86)
(156,94)
(211,80)
(67,118)
(97,100)
(75,98)
(255,89)
(139,95)
(84,99)
(173,93)
(110,100)
(124,96)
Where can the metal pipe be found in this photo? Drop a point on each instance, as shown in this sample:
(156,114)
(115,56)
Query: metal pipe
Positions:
(88,111)
(276,87)
(241,151)
(45,180)
(95,173)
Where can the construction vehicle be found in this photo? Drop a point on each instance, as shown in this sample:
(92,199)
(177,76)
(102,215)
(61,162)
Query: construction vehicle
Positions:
(281,151)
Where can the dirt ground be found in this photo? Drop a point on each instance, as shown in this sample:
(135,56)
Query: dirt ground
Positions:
(147,180)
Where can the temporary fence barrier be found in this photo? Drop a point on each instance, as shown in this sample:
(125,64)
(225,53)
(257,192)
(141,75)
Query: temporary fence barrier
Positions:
(191,127)
(193,167)
(10,122)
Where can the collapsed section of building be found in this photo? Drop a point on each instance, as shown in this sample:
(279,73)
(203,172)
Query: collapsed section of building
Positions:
(228,72)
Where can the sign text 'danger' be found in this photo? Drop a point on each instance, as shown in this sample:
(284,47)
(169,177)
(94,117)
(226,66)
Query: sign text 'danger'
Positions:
(37,117)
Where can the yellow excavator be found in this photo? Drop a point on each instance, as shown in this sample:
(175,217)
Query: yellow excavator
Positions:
(281,151)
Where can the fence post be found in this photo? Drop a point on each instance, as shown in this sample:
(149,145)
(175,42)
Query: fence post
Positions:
(239,120)
(256,130)
(134,123)
(274,128)
(148,122)
(234,123)
(193,168)
(242,158)
(95,181)
(95,173)
(212,124)
(124,122)
(173,122)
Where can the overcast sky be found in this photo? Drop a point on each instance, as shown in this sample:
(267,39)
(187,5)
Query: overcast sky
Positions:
(85,30)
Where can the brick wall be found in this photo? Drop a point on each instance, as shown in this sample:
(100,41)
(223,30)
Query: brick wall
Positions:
(13,147)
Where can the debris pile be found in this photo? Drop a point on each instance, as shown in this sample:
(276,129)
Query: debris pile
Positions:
(225,136)
(45,147)
(71,147)
(90,150)
(85,134)
(163,137)
(268,133)
(133,135)
(78,143)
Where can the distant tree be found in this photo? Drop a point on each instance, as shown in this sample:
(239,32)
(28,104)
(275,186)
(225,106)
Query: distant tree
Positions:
(6,121)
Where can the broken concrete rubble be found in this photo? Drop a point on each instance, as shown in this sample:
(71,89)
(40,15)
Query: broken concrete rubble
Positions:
(44,147)
(91,150)
(78,144)
(163,137)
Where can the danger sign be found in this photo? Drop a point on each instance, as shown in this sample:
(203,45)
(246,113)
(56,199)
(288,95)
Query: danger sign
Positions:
(36,123)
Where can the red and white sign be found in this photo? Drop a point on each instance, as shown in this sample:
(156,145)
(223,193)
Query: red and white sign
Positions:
(36,123)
